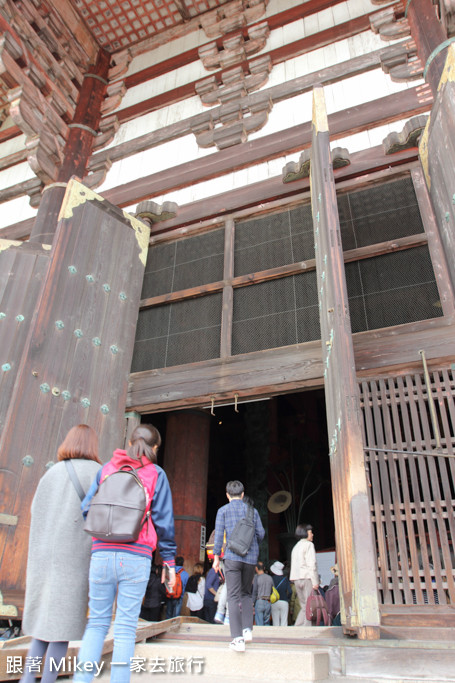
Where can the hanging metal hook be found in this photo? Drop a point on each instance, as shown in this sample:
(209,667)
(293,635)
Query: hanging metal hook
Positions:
(236,396)
(212,412)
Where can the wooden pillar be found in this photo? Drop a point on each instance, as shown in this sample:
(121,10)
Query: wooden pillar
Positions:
(85,124)
(132,420)
(78,148)
(186,460)
(356,552)
(437,156)
(428,33)
(45,224)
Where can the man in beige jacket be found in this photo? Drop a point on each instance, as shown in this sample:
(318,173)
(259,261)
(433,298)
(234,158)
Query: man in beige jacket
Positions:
(304,570)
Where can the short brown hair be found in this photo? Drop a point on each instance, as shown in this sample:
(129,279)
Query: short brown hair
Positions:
(80,442)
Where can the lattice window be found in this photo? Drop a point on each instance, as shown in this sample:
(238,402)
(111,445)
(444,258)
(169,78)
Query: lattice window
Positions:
(184,263)
(274,301)
(276,313)
(274,240)
(179,333)
(379,213)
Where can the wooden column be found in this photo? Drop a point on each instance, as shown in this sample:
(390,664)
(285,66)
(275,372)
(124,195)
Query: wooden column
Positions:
(132,420)
(356,553)
(186,460)
(437,155)
(228,290)
(428,33)
(83,131)
(84,127)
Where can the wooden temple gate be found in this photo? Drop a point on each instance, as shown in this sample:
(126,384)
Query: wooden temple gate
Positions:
(393,464)
(409,428)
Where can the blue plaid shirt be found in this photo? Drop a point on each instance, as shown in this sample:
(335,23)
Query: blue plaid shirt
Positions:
(226,518)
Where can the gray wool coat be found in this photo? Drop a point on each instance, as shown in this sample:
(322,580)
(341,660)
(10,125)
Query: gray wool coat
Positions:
(56,593)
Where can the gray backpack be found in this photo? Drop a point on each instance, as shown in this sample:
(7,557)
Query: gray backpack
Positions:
(117,511)
(242,534)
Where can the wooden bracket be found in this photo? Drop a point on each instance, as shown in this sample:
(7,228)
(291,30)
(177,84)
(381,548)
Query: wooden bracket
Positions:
(301,169)
(388,26)
(408,137)
(402,62)
(235,48)
(236,83)
(233,16)
(154,213)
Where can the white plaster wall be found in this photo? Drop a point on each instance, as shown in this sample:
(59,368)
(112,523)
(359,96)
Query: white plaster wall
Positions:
(12,146)
(156,86)
(154,160)
(15,174)
(335,53)
(15,211)
(278,38)
(362,88)
(156,120)
(335,15)
(339,96)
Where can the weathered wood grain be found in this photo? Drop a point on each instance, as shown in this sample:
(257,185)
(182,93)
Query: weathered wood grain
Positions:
(80,341)
(353,530)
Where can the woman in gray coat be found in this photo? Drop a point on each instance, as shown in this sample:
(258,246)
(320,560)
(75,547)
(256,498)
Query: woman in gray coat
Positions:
(56,594)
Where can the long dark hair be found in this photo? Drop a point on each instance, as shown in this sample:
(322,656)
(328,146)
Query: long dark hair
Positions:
(143,441)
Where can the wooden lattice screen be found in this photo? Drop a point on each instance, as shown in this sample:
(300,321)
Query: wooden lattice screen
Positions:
(410,463)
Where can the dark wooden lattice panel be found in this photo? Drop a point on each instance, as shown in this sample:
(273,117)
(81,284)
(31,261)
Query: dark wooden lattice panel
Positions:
(412,486)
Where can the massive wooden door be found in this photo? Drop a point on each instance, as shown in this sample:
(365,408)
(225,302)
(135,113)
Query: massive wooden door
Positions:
(409,431)
(70,363)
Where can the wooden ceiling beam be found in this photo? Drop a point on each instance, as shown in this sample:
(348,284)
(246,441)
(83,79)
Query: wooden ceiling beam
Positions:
(183,59)
(289,51)
(365,165)
(182,9)
(372,114)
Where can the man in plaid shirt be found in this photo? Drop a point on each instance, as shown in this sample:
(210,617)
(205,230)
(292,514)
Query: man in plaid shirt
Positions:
(238,570)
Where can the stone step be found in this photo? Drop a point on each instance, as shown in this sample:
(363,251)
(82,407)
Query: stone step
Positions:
(279,663)
(305,654)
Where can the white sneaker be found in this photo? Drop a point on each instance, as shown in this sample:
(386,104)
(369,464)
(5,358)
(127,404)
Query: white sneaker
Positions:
(238,645)
(247,635)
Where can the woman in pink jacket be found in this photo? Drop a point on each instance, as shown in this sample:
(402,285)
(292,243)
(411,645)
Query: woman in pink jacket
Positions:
(122,570)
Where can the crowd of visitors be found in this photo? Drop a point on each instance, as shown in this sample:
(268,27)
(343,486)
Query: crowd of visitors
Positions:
(126,507)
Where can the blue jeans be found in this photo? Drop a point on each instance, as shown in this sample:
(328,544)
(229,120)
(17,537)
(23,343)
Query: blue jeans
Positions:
(262,609)
(173,607)
(125,575)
